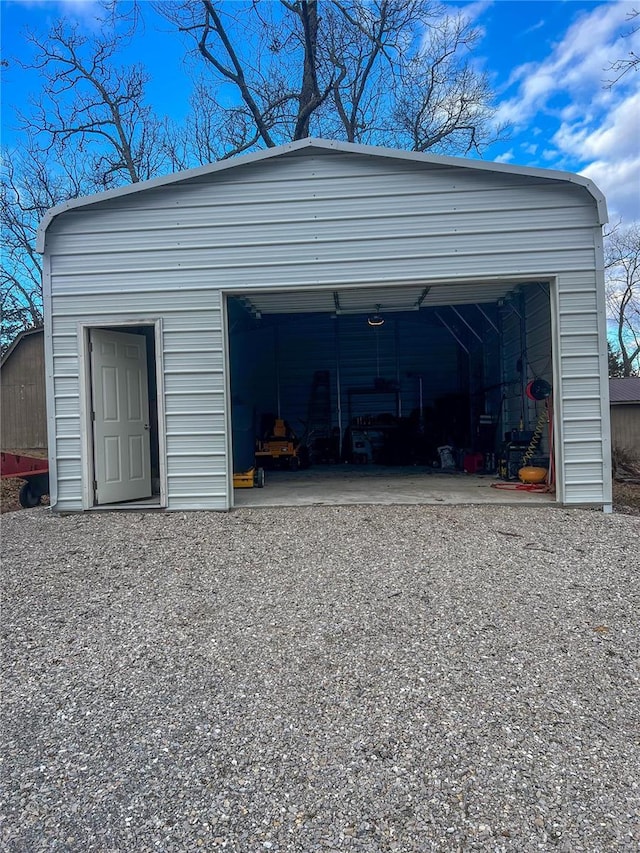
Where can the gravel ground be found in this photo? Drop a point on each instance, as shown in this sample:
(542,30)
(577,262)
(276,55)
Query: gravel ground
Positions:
(321,679)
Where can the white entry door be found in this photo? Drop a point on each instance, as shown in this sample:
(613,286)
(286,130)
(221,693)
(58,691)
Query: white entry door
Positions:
(121,441)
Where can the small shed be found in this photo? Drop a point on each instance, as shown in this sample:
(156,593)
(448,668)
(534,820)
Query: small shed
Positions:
(24,409)
(342,288)
(624,394)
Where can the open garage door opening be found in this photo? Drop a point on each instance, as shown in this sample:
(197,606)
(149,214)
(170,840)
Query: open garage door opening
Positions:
(394,388)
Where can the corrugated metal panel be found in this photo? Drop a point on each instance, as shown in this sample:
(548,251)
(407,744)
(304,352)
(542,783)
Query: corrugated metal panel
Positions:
(576,386)
(68,447)
(65,386)
(196,423)
(579,492)
(90,300)
(578,366)
(579,344)
(68,425)
(194,396)
(183,383)
(203,400)
(578,430)
(308,166)
(327,269)
(581,407)
(577,301)
(323,246)
(183,361)
(202,341)
(66,344)
(187,230)
(65,365)
(326,252)
(585,450)
(208,486)
(191,443)
(578,402)
(575,322)
(315,219)
(67,406)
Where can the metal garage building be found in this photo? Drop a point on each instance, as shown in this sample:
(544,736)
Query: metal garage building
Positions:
(243,288)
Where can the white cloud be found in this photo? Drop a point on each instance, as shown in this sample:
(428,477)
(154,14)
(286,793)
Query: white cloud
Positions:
(577,65)
(590,127)
(473,11)
(85,11)
(469,13)
(618,135)
(507,157)
(534,27)
(611,150)
(620,182)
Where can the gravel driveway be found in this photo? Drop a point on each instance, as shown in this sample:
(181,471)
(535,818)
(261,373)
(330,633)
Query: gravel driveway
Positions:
(321,679)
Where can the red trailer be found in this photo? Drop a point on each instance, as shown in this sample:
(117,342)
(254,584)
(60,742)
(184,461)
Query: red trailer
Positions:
(34,471)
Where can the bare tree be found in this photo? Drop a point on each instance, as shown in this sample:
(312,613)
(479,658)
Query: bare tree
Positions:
(88,130)
(631,62)
(444,103)
(27,191)
(89,103)
(392,72)
(622,262)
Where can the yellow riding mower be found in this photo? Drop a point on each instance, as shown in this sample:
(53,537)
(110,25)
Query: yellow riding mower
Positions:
(281,448)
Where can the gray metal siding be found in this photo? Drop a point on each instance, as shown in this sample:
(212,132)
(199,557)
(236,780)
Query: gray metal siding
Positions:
(193,373)
(322,219)
(317,218)
(581,416)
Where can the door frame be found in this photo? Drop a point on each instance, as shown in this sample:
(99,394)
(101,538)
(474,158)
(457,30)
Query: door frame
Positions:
(86,424)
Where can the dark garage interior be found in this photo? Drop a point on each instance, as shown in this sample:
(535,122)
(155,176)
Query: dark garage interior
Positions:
(396,383)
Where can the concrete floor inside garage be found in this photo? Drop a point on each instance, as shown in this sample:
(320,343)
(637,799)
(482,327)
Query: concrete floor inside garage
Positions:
(376,484)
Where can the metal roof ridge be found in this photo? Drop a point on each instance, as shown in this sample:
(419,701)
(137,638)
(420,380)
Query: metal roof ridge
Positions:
(327,145)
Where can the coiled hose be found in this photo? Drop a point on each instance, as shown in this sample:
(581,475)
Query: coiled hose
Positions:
(543,418)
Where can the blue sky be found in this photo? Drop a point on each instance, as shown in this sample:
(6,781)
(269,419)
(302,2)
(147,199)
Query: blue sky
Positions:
(547,62)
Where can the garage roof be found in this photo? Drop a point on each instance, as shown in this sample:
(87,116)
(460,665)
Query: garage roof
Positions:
(324,145)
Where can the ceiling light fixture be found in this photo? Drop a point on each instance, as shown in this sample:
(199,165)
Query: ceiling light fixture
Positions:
(376,319)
